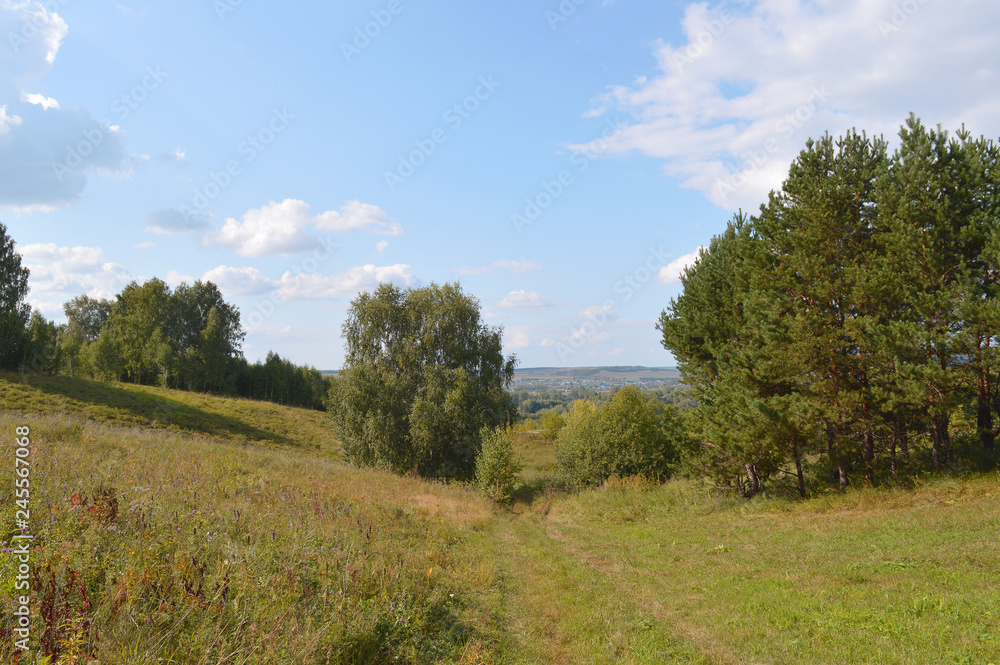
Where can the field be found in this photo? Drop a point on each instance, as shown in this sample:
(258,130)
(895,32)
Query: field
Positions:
(180,528)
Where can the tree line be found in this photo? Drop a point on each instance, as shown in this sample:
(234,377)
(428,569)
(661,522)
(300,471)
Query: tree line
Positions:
(187,338)
(850,325)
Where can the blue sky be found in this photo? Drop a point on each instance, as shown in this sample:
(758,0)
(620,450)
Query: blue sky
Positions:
(562,160)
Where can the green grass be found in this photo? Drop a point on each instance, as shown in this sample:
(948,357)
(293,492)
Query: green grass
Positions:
(173,410)
(226,531)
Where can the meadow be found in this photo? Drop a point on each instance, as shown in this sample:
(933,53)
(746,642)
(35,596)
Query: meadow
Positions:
(181,528)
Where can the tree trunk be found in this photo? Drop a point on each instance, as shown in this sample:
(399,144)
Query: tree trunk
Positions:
(941,451)
(753,482)
(984,414)
(869,443)
(798,468)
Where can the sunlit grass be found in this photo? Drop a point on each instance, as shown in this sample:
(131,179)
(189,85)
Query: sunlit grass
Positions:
(227,531)
(158,545)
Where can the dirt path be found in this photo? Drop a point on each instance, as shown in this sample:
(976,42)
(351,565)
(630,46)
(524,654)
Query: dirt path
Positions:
(570,604)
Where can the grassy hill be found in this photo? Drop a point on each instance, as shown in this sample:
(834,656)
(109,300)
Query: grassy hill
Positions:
(179,528)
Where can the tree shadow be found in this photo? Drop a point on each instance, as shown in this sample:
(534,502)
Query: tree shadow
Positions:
(114,403)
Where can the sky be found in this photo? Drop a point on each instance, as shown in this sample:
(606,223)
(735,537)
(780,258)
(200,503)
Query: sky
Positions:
(563,160)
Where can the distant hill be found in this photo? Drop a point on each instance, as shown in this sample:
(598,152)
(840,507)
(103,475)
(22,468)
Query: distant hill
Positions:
(610,373)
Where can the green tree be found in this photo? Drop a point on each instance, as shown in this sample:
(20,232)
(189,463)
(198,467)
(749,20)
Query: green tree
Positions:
(631,434)
(931,250)
(14,312)
(40,350)
(551,423)
(818,231)
(422,376)
(497,466)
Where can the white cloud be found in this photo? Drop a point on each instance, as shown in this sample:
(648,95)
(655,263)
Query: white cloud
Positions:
(598,312)
(380,246)
(358,216)
(516,337)
(239,281)
(620,350)
(524,298)
(671,273)
(279,228)
(513,267)
(176,156)
(144,245)
(40,100)
(61,273)
(8,121)
(545,343)
(47,153)
(313,286)
(731,106)
(174,278)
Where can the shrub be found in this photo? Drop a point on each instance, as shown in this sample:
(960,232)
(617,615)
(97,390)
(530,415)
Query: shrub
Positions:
(552,423)
(497,466)
(632,434)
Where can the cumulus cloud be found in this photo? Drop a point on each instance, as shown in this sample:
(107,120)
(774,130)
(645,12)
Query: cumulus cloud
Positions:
(525,299)
(175,278)
(734,102)
(516,337)
(671,273)
(513,267)
(280,228)
(61,273)
(46,153)
(380,246)
(358,216)
(313,286)
(239,281)
(40,100)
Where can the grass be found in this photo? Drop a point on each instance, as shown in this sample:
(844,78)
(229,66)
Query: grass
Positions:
(226,531)
(263,423)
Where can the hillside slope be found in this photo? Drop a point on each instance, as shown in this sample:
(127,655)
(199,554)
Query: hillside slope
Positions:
(174,410)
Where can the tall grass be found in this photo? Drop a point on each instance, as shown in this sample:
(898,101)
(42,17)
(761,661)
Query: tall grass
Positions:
(160,547)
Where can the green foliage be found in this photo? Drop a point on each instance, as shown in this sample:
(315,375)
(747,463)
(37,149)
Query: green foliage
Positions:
(551,424)
(421,378)
(14,312)
(40,350)
(844,325)
(497,466)
(632,434)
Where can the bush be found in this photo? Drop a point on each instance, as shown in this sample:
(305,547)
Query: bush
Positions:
(552,423)
(497,466)
(633,434)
